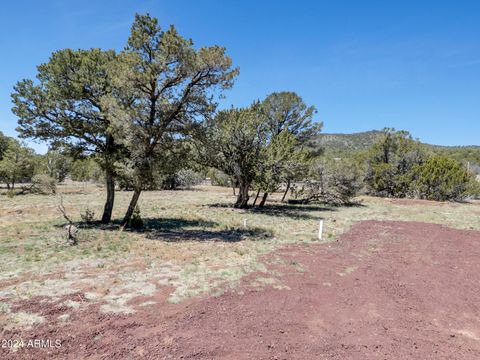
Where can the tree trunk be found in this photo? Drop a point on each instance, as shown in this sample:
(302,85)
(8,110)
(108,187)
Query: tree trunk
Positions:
(256,198)
(242,197)
(233,188)
(108,208)
(131,208)
(264,198)
(286,191)
(8,185)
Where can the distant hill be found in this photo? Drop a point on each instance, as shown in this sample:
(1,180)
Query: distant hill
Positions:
(340,145)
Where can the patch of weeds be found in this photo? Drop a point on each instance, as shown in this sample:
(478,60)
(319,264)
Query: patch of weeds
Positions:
(88,216)
(26,320)
(4,308)
(136,221)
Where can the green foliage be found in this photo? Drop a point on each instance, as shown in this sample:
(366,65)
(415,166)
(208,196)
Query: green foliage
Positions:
(3,144)
(88,216)
(441,178)
(67,107)
(474,187)
(288,149)
(286,111)
(162,86)
(233,141)
(86,170)
(398,166)
(344,145)
(352,145)
(43,184)
(164,83)
(54,164)
(263,145)
(390,163)
(219,178)
(187,178)
(17,164)
(334,182)
(281,157)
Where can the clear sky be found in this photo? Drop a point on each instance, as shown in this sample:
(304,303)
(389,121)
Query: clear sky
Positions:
(411,65)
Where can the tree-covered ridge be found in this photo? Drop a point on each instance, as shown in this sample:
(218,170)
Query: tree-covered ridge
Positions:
(346,145)
(339,144)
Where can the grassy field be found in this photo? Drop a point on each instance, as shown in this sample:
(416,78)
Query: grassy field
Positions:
(194,243)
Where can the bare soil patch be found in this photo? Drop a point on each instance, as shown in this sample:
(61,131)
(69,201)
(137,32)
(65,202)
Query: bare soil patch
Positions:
(385,290)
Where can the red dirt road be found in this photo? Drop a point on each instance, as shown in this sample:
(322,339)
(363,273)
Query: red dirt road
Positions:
(385,290)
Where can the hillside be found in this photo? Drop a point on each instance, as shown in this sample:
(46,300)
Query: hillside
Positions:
(340,145)
(337,144)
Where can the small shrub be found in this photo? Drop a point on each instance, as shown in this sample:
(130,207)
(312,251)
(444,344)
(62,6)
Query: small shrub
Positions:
(473,190)
(88,216)
(334,182)
(219,178)
(43,184)
(11,193)
(442,178)
(389,164)
(188,178)
(136,221)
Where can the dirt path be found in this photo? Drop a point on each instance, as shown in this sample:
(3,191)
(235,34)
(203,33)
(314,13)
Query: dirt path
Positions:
(385,290)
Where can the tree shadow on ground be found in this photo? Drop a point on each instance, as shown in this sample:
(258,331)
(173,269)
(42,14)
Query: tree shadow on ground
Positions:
(228,235)
(150,224)
(298,212)
(178,230)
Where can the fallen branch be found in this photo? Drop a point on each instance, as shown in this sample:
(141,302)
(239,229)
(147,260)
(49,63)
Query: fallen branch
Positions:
(70,229)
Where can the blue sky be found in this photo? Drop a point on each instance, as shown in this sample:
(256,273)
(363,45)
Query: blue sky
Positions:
(411,65)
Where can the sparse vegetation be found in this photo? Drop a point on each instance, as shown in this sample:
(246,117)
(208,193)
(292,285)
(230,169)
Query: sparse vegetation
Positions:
(136,221)
(147,120)
(189,240)
(43,184)
(398,166)
(88,216)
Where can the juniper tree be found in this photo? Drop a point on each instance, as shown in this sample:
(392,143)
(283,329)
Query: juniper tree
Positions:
(166,85)
(65,107)
(441,178)
(3,144)
(55,164)
(233,141)
(17,163)
(280,155)
(291,121)
(390,162)
(287,111)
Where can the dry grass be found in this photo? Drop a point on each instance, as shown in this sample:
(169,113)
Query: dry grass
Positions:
(194,242)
